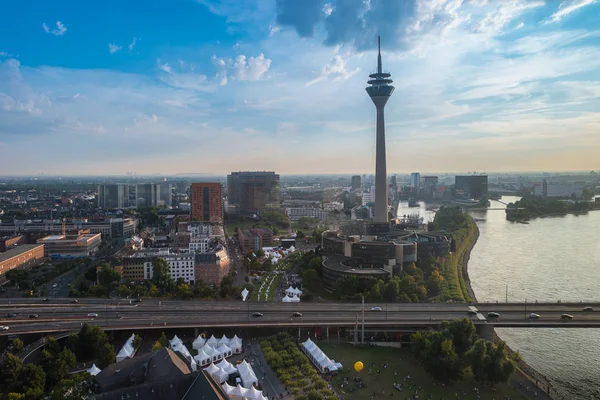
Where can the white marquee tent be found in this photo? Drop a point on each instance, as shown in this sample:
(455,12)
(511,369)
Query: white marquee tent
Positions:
(175,341)
(227,367)
(294,299)
(245,294)
(127,351)
(292,291)
(202,358)
(286,299)
(225,351)
(224,340)
(238,393)
(247,374)
(199,342)
(94,370)
(236,344)
(320,359)
(180,347)
(213,341)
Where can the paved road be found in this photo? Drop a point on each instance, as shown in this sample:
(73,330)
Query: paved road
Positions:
(60,314)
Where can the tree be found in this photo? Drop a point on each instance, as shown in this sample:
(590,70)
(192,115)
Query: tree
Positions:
(137,342)
(259,253)
(587,194)
(434,282)
(107,275)
(462,333)
(183,291)
(16,396)
(310,279)
(91,274)
(436,352)
(123,291)
(161,275)
(75,387)
(391,289)
(163,339)
(10,371)
(58,367)
(157,346)
(106,355)
(33,381)
(489,362)
(17,345)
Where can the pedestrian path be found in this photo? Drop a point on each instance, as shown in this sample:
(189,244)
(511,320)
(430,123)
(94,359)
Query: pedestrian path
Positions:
(268,378)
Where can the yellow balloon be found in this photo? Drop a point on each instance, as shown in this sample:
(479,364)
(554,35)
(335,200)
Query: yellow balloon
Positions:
(358,366)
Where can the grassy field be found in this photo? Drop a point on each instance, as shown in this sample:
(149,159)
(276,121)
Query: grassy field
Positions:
(400,361)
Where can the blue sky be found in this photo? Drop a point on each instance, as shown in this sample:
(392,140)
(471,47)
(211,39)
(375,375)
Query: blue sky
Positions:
(212,86)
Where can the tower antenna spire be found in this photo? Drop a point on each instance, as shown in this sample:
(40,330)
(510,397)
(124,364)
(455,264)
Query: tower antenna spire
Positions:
(379,69)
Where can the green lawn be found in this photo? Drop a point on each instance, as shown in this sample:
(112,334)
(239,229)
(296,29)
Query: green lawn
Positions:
(401,362)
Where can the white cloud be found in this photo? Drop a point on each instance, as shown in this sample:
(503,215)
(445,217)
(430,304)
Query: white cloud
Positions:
(113,48)
(251,69)
(58,31)
(273,29)
(507,11)
(521,25)
(337,68)
(165,67)
(327,9)
(568,7)
(5,54)
(132,44)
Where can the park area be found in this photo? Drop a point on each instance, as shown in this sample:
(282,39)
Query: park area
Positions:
(386,366)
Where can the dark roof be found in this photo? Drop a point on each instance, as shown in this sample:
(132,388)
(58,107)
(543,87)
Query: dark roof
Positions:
(161,365)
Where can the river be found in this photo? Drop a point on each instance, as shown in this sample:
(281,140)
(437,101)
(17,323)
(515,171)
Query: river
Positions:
(549,259)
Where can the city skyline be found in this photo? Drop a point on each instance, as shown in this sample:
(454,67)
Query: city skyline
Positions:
(481,85)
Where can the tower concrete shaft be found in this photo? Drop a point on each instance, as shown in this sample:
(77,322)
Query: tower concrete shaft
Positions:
(380,91)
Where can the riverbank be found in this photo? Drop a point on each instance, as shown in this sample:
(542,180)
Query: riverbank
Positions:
(525,373)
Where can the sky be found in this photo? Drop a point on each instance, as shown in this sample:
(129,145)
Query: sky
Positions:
(207,86)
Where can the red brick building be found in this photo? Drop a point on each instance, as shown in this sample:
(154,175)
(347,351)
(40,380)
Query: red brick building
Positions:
(25,256)
(207,202)
(211,267)
(254,238)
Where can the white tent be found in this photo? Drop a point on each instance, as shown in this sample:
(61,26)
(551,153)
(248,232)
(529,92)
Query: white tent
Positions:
(227,367)
(220,376)
(211,369)
(245,294)
(127,351)
(236,345)
(254,393)
(318,358)
(199,342)
(225,351)
(297,292)
(295,299)
(247,374)
(224,341)
(289,291)
(227,388)
(175,341)
(213,341)
(238,393)
(202,358)
(94,370)
(286,299)
(212,352)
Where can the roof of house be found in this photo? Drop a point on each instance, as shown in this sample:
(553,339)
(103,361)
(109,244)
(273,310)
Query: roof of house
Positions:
(8,254)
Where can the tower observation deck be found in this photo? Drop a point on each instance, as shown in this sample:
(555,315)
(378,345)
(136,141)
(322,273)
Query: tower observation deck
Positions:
(380,90)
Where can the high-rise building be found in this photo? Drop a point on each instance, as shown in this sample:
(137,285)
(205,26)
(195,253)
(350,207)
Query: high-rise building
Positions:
(380,90)
(113,196)
(207,201)
(471,186)
(146,195)
(430,182)
(164,194)
(253,192)
(356,182)
(415,179)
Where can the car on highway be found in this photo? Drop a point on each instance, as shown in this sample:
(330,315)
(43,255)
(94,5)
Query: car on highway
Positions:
(493,314)
(92,314)
(375,308)
(74,301)
(473,312)
(55,286)
(11,315)
(33,315)
(257,314)
(47,299)
(3,328)
(534,316)
(566,317)
(138,300)
(296,314)
(588,309)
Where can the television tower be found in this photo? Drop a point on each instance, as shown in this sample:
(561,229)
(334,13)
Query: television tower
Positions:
(380,91)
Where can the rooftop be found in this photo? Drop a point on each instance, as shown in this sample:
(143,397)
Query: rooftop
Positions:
(17,250)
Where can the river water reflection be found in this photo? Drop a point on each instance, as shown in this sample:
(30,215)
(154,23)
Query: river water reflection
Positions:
(549,259)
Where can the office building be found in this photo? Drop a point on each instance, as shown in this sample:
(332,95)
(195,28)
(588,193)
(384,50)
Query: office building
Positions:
(254,239)
(253,192)
(24,256)
(430,182)
(213,266)
(57,247)
(380,90)
(356,182)
(207,201)
(8,242)
(164,194)
(199,244)
(471,186)
(181,265)
(110,228)
(113,196)
(415,179)
(295,213)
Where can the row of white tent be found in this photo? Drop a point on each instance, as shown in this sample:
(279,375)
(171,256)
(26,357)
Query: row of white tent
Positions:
(234,342)
(321,361)
(288,299)
(222,371)
(177,345)
(127,351)
(292,291)
(241,393)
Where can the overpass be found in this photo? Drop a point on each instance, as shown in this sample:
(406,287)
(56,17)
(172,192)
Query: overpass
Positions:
(60,315)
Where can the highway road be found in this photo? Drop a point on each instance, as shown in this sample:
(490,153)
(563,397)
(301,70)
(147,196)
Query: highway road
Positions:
(61,314)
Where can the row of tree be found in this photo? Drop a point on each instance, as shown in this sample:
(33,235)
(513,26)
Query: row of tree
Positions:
(533,207)
(447,353)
